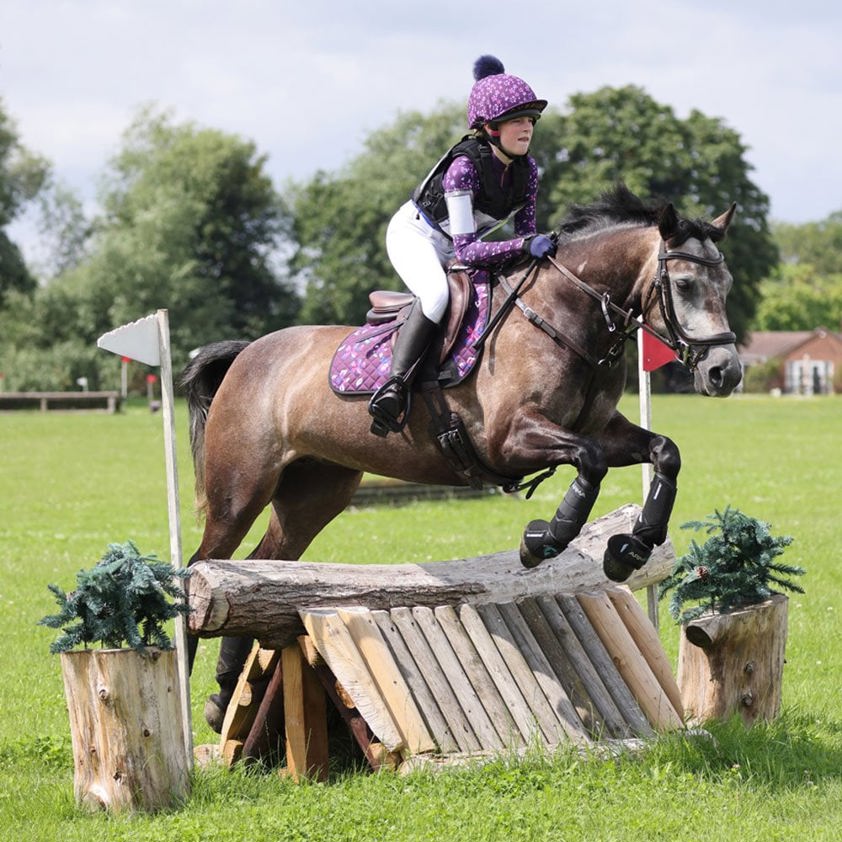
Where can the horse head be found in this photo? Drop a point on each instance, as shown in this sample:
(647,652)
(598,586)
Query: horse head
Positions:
(690,287)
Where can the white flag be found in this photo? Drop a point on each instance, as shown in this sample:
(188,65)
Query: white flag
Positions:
(138,340)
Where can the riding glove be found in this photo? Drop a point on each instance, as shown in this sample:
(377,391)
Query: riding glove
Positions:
(541,245)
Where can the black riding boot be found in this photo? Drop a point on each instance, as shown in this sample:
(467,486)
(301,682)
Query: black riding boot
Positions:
(389,405)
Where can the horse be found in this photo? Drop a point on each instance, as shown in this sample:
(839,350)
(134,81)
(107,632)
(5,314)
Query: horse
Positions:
(267,430)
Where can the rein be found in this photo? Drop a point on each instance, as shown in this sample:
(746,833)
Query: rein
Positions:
(689,350)
(448,428)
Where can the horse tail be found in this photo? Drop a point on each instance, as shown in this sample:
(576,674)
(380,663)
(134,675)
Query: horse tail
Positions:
(199,381)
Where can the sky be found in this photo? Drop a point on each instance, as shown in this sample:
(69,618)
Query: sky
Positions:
(308,80)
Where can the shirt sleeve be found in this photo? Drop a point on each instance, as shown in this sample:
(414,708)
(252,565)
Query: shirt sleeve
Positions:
(462,177)
(525,224)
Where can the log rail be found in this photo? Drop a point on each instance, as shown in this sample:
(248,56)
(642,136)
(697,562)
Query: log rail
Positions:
(262,599)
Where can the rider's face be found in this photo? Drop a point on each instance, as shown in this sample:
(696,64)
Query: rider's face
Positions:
(516,135)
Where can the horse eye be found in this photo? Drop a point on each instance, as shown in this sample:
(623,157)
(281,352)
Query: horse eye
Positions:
(684,284)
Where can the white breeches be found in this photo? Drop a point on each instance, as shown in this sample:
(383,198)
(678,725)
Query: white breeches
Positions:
(419,254)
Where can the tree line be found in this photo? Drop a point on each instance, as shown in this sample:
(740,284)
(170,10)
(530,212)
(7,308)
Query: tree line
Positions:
(189,220)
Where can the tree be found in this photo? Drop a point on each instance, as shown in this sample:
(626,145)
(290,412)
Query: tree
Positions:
(796,297)
(22,175)
(614,134)
(818,244)
(622,134)
(64,230)
(192,223)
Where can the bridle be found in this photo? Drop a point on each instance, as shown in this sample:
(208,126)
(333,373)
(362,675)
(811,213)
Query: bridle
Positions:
(689,350)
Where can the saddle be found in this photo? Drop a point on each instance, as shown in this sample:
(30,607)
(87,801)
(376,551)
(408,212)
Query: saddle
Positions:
(362,362)
(387,306)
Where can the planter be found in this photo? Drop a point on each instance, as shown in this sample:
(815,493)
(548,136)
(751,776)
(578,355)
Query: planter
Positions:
(733,662)
(126,728)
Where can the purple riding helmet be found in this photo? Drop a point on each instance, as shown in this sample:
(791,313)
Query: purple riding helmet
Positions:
(498,96)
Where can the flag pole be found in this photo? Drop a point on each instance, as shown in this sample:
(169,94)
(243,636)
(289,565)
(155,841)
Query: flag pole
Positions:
(147,340)
(174,513)
(645,393)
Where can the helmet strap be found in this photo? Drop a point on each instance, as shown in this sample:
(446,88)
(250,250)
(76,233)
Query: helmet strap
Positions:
(493,135)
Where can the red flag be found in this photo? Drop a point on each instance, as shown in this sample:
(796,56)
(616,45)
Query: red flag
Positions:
(656,353)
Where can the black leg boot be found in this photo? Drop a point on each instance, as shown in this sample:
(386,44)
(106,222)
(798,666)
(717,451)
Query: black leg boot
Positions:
(389,405)
(233,652)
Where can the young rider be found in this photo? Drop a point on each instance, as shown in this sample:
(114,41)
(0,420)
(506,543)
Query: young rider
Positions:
(483,181)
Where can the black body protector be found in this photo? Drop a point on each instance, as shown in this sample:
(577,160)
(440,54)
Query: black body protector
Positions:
(495,201)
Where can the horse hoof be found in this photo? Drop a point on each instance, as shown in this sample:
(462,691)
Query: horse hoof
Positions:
(615,570)
(536,546)
(215,712)
(623,555)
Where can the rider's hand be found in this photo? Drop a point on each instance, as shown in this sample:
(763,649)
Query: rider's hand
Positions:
(541,245)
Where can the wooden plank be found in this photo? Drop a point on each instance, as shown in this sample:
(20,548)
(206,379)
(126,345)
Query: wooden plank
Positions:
(542,669)
(466,696)
(424,658)
(616,726)
(305,722)
(245,701)
(389,680)
(561,665)
(630,662)
(604,665)
(336,646)
(266,731)
(506,685)
(646,638)
(374,751)
(477,674)
(522,674)
(439,729)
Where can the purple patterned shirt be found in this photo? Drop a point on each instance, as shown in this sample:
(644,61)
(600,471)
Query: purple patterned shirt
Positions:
(469,248)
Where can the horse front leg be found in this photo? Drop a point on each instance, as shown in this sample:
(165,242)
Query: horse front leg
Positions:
(536,441)
(546,539)
(625,443)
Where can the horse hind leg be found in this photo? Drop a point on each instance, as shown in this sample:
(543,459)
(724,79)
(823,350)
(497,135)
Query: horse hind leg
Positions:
(308,497)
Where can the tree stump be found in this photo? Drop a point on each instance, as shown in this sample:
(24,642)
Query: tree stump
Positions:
(126,729)
(733,662)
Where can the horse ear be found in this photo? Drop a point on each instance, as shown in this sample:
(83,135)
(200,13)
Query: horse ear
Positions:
(668,222)
(722,221)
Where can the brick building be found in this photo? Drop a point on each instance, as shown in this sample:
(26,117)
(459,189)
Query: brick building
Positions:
(809,360)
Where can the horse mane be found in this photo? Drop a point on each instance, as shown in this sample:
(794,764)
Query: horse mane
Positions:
(619,207)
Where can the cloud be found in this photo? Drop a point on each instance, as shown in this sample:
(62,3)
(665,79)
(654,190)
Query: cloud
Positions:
(308,81)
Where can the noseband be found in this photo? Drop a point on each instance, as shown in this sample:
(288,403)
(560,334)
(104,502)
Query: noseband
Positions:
(690,350)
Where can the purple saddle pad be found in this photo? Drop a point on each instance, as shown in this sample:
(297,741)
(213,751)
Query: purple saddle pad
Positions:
(362,362)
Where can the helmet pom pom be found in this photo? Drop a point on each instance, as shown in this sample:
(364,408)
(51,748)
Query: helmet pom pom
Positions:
(487,66)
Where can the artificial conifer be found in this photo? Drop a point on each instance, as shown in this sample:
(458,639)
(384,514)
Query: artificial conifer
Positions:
(125,597)
(733,568)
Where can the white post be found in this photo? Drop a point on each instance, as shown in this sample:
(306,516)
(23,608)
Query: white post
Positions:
(645,393)
(148,341)
(173,509)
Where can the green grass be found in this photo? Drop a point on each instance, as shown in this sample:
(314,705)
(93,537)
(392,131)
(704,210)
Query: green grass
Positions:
(72,483)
